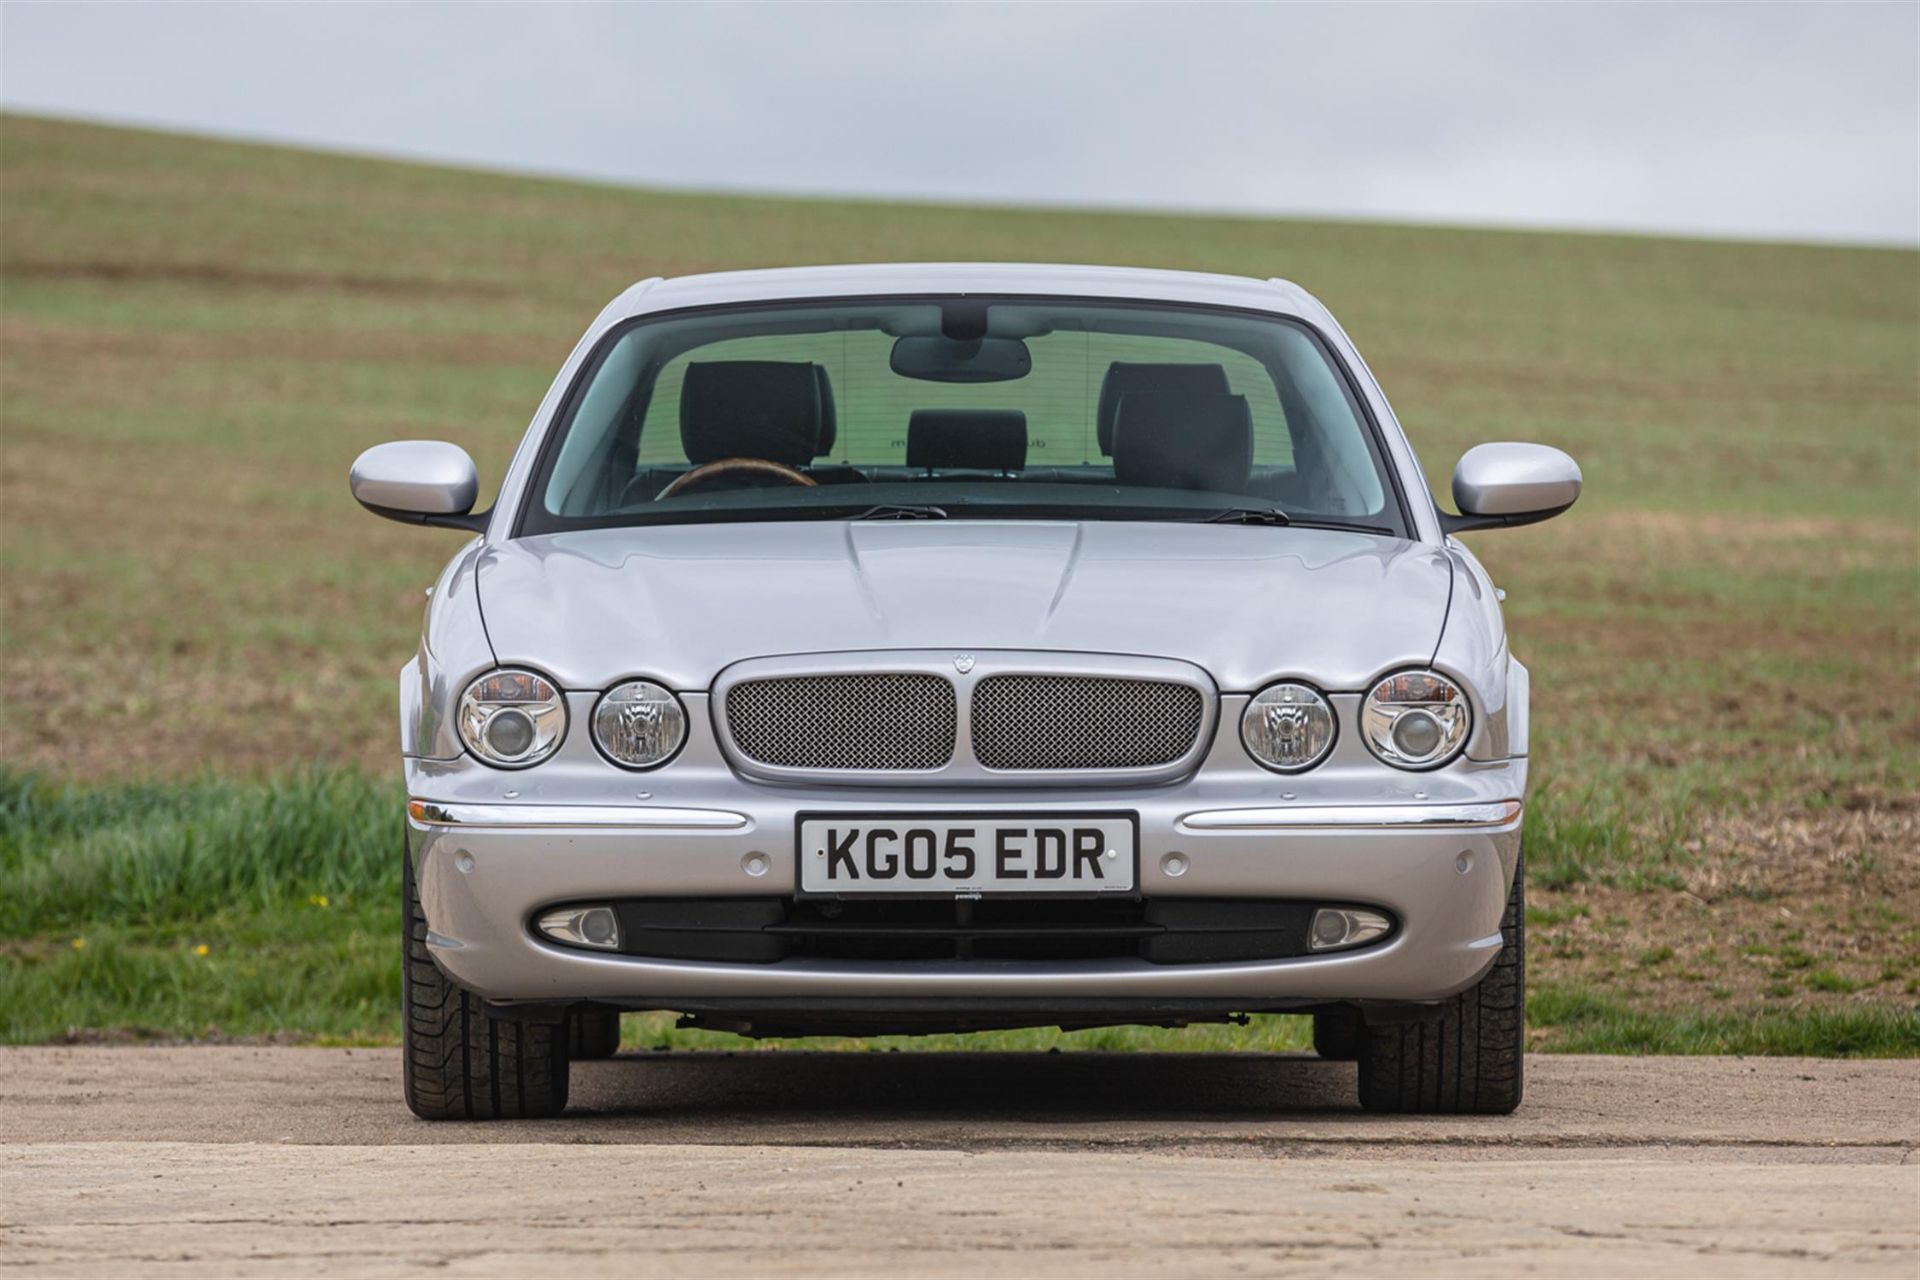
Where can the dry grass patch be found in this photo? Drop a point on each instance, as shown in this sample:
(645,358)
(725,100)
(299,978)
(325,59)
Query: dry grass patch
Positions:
(1791,911)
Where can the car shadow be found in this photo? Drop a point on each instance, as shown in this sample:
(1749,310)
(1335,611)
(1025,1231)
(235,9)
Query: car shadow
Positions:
(844,1092)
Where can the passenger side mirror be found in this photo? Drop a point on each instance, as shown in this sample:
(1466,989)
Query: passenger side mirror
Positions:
(419,482)
(1498,486)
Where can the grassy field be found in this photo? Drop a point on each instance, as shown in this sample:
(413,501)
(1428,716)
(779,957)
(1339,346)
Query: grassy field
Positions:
(199,630)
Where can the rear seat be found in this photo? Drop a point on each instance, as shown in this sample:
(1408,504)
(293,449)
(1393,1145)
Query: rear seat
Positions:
(988,440)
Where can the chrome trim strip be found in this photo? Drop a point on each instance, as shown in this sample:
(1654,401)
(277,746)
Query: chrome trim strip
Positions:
(1378,817)
(432,813)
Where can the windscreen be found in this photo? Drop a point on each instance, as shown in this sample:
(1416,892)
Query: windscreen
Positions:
(961,407)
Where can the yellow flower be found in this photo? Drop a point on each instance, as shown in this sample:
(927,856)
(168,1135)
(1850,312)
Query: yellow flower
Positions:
(317,899)
(79,944)
(202,949)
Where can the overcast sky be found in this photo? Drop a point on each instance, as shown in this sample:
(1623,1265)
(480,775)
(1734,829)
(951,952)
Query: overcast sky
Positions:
(1778,121)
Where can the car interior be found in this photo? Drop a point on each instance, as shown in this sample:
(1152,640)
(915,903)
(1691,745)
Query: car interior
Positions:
(949,409)
(1160,425)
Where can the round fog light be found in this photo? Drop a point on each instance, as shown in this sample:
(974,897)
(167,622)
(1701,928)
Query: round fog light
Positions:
(598,927)
(595,927)
(1334,928)
(1329,929)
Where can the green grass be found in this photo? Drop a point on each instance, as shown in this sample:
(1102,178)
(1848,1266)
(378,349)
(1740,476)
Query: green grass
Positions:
(296,971)
(196,337)
(157,854)
(1583,1021)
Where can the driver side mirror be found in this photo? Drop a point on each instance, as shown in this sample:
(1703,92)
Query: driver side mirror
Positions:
(419,482)
(1498,486)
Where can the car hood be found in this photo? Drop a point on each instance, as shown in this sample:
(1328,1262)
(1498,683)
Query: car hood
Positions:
(679,603)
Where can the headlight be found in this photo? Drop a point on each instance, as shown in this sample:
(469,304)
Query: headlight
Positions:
(1416,719)
(1288,727)
(512,719)
(639,724)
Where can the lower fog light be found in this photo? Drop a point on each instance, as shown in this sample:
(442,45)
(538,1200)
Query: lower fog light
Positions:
(1335,928)
(595,927)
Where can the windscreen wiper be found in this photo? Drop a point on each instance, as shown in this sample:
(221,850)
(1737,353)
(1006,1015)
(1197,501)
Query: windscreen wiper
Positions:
(901,511)
(1273,517)
(1250,515)
(1314,522)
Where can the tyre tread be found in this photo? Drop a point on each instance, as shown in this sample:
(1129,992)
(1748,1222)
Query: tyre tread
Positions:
(458,1061)
(1470,1061)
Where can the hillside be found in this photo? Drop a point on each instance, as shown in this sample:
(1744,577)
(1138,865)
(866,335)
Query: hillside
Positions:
(196,337)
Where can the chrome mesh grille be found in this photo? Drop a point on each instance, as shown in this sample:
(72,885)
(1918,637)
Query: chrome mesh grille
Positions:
(879,721)
(1083,722)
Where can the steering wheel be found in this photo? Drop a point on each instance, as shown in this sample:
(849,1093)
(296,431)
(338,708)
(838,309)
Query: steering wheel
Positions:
(727,466)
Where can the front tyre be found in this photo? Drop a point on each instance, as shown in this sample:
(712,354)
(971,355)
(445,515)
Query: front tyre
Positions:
(458,1062)
(1470,1061)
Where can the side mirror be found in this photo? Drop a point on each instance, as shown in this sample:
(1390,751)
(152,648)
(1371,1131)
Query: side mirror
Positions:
(419,482)
(1498,486)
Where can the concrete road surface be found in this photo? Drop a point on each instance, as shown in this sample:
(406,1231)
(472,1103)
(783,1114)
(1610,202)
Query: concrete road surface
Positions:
(274,1161)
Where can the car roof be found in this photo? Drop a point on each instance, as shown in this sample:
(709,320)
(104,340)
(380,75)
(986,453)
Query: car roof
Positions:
(871,279)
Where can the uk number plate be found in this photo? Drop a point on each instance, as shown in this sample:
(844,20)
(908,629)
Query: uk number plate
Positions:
(866,853)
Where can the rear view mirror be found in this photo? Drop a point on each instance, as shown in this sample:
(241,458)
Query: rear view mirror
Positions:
(418,482)
(1502,485)
(936,358)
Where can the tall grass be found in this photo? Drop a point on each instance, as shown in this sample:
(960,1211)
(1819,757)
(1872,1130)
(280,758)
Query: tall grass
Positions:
(158,853)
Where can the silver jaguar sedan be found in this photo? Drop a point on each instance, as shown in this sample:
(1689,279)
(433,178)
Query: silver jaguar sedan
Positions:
(895,649)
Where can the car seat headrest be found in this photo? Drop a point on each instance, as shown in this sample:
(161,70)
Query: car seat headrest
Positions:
(1183,440)
(751,409)
(1127,377)
(967,439)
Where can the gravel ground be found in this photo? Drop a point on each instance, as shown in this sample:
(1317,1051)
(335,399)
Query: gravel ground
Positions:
(255,1160)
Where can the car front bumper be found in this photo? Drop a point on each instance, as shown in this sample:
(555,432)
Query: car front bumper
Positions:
(1439,853)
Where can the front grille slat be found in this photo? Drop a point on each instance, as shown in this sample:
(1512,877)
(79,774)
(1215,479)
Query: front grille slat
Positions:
(883,720)
(1048,722)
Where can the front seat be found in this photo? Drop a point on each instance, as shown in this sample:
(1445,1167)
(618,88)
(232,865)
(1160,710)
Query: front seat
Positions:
(751,409)
(1126,377)
(825,471)
(770,409)
(1181,440)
